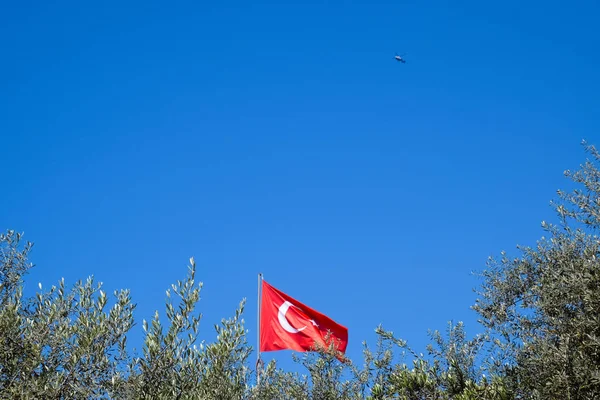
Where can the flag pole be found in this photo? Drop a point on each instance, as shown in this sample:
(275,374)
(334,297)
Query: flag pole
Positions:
(260,277)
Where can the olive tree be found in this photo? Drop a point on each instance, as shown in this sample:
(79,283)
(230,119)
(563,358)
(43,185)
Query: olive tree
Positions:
(62,343)
(67,343)
(542,308)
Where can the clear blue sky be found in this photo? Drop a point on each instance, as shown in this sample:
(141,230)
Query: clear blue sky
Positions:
(285,139)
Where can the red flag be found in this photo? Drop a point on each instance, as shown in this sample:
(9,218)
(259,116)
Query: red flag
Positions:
(285,323)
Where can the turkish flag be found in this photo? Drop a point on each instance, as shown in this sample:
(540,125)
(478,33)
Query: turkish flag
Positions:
(287,324)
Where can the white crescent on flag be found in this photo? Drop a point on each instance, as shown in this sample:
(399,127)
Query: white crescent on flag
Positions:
(285,324)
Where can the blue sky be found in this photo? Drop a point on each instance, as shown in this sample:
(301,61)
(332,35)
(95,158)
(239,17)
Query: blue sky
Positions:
(284,139)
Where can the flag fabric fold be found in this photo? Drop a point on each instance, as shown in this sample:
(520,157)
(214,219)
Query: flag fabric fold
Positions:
(287,324)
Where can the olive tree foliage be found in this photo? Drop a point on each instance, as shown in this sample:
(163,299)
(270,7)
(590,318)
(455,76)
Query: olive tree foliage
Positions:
(175,366)
(327,377)
(68,343)
(61,343)
(542,308)
(449,371)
